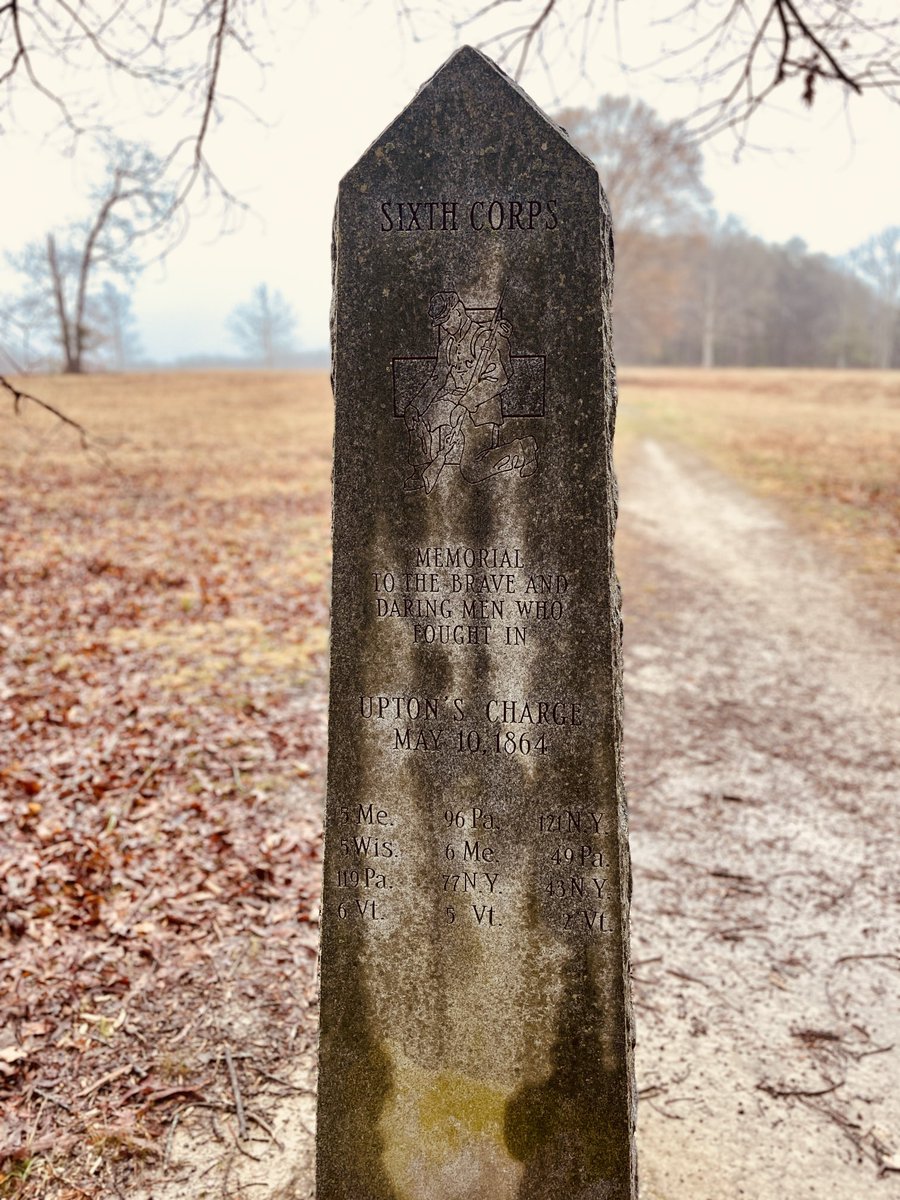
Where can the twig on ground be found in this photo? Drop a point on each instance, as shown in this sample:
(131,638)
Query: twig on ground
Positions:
(776,1091)
(689,978)
(867,1053)
(25,1150)
(643,1004)
(228,1165)
(124,810)
(291,1087)
(185,1089)
(170,1137)
(73,1187)
(236,1092)
(663,1113)
(56,1100)
(37,1120)
(860,957)
(266,1127)
(214,1121)
(244,1151)
(103,1080)
(179,1037)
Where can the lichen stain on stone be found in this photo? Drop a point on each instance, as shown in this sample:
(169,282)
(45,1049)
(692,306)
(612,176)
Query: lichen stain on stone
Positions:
(456,1108)
(566,1130)
(443,1134)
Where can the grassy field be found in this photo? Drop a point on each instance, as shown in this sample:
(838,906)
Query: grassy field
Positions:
(198,524)
(163,625)
(825,444)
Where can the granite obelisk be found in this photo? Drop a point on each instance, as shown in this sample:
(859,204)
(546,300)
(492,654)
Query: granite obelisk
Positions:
(476,1037)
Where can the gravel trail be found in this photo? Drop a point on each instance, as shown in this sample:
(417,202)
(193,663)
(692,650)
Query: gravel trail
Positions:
(762,732)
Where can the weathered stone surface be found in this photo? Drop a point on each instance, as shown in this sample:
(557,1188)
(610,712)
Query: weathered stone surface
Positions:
(476,1034)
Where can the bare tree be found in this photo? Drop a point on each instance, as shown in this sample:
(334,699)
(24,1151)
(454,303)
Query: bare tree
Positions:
(66,59)
(264,326)
(113,319)
(877,261)
(64,274)
(652,172)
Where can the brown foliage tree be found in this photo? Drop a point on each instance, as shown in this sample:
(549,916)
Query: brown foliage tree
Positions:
(652,172)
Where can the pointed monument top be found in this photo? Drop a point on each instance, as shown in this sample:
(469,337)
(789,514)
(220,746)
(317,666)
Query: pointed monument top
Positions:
(470,88)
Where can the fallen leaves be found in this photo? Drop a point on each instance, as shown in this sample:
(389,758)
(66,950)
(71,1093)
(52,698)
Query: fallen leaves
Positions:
(162,637)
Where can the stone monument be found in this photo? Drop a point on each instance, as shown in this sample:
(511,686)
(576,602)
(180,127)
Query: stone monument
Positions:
(476,1035)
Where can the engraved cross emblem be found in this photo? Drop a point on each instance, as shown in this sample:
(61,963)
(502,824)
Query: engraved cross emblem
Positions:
(455,402)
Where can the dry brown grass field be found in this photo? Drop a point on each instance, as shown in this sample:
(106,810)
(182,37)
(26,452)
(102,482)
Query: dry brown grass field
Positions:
(163,638)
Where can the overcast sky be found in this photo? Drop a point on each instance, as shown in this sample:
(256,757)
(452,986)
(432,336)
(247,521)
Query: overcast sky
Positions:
(339,76)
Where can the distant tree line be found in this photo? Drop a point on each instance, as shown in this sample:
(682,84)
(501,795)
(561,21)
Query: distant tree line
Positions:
(692,289)
(733,299)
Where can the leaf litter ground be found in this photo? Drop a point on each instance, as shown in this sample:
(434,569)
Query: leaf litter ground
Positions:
(163,631)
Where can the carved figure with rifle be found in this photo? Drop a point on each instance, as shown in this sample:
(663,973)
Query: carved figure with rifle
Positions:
(456,416)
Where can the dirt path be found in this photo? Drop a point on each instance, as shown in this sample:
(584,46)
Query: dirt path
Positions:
(761,711)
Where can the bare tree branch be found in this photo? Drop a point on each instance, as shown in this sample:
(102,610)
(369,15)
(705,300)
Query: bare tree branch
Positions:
(218,44)
(174,52)
(788,7)
(87,256)
(739,53)
(533,31)
(85,439)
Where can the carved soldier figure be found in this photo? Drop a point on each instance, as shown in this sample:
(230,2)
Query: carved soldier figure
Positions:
(456,416)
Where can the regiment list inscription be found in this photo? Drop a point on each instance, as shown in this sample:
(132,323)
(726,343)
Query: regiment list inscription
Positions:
(476,1032)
